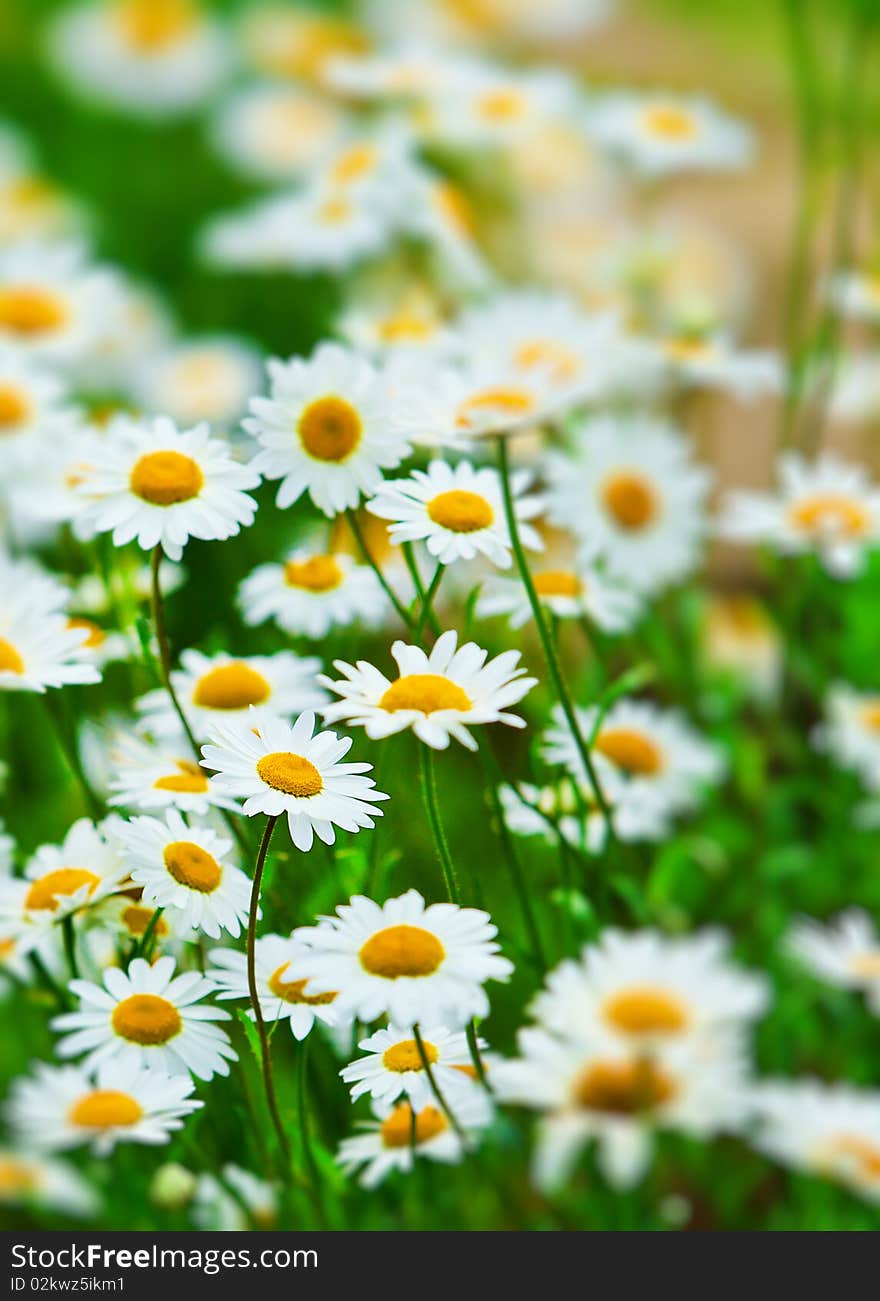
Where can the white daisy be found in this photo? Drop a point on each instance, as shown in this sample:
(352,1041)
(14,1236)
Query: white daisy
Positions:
(401,958)
(329,428)
(828,1130)
(632,494)
(856,294)
(161,486)
(439,695)
(187,870)
(845,951)
(122,920)
(480,106)
(296,43)
(209,378)
(581,592)
(31,400)
(393,1142)
(393,1066)
(738,637)
(568,809)
(850,732)
(406,72)
(220,688)
(277,768)
(457,511)
(30,1180)
(146,775)
(272,131)
(238,1202)
(701,360)
(829,506)
(53,304)
(40,648)
(855,397)
(283,995)
(312,592)
(409,320)
(660,134)
(121,1102)
(147,1017)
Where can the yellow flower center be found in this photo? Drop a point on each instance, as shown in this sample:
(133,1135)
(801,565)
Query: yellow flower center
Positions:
(499,404)
(405,327)
(454,207)
(354,164)
(63,881)
(189,779)
(402,950)
(855,1153)
(333,212)
(105,1109)
(16,1178)
(151,26)
(14,408)
(405,1056)
(293,991)
(460,511)
(192,866)
(643,1010)
(96,635)
(501,105)
(7,948)
(330,429)
(166,478)
(870,715)
(559,360)
(557,582)
(866,965)
(29,311)
(623,1088)
(632,751)
(630,500)
(317,574)
(146,1019)
(830,513)
(291,773)
(397,1129)
(669,122)
(231,686)
(10,660)
(136,919)
(687,347)
(426,693)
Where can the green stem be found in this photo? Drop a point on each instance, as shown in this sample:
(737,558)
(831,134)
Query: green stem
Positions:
(435,1089)
(429,793)
(427,614)
(69,938)
(145,947)
(492,777)
(476,1058)
(377,569)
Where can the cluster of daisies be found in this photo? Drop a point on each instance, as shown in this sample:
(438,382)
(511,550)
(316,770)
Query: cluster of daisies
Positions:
(460,453)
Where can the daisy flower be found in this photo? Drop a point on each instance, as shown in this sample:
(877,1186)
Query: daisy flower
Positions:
(850,732)
(660,134)
(413,962)
(828,1130)
(739,637)
(312,592)
(276,132)
(187,870)
(699,360)
(632,494)
(209,378)
(582,592)
(481,106)
(30,1180)
(160,485)
(568,809)
(125,918)
(31,400)
(393,1066)
(828,506)
(283,995)
(252,1203)
(122,1102)
(845,952)
(146,775)
(53,304)
(152,58)
(856,294)
(388,1143)
(147,1017)
(457,511)
(40,648)
(296,43)
(276,768)
(329,428)
(220,688)
(439,695)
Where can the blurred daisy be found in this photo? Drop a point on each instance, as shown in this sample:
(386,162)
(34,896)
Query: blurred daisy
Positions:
(850,732)
(127,917)
(698,360)
(409,72)
(345,431)
(121,1102)
(252,1202)
(856,393)
(568,809)
(480,106)
(219,688)
(40,649)
(393,1066)
(283,995)
(147,1017)
(53,304)
(457,511)
(393,1142)
(632,494)
(155,58)
(828,1130)
(408,321)
(829,506)
(739,637)
(660,134)
(30,1180)
(276,132)
(146,775)
(554,20)
(312,592)
(439,695)
(31,398)
(187,870)
(103,645)
(208,378)
(296,43)
(276,768)
(583,592)
(856,294)
(401,958)
(160,486)
(845,952)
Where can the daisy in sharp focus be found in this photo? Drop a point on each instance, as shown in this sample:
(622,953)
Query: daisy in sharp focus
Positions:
(122,1102)
(149,775)
(632,493)
(278,768)
(397,1137)
(312,592)
(413,962)
(393,1067)
(53,303)
(844,951)
(220,688)
(329,428)
(186,870)
(439,695)
(30,1180)
(457,511)
(660,134)
(583,591)
(159,485)
(829,506)
(147,1017)
(850,731)
(208,378)
(283,994)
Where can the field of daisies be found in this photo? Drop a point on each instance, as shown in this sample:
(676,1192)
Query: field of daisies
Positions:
(440,715)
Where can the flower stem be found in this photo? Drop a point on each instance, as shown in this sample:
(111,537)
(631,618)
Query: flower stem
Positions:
(67,743)
(429,793)
(145,948)
(69,938)
(492,777)
(476,1057)
(435,1089)
(377,569)
(426,614)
